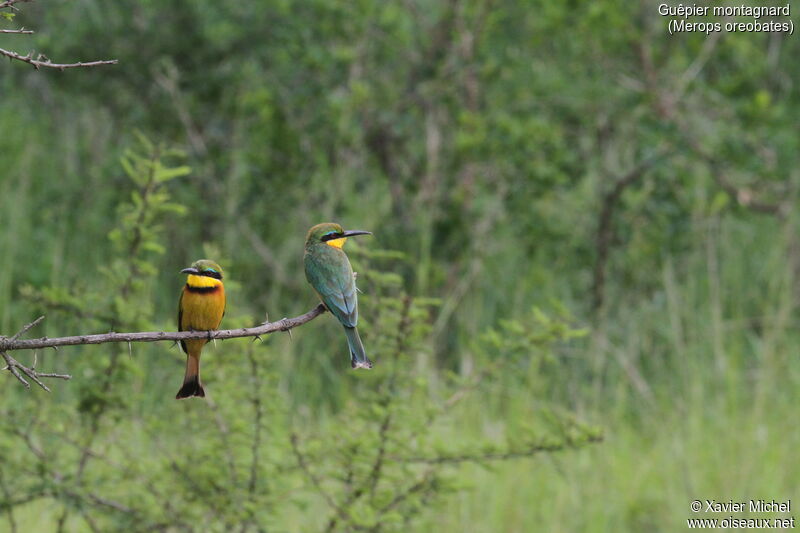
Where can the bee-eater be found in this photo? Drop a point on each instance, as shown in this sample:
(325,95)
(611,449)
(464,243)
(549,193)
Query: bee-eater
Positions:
(201,308)
(328,270)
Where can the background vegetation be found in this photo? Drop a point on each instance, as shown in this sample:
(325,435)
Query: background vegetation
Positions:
(583,227)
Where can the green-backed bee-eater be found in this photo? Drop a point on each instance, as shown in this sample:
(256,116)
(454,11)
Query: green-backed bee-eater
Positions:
(328,270)
(201,308)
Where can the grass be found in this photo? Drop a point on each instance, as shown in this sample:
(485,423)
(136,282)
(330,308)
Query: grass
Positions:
(695,383)
(641,478)
(697,391)
(695,388)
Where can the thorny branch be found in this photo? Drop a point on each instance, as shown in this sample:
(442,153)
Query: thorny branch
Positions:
(40,60)
(14,342)
(285,324)
(10,3)
(17,369)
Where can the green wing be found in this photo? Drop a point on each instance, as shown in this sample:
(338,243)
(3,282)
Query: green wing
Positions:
(180,320)
(331,275)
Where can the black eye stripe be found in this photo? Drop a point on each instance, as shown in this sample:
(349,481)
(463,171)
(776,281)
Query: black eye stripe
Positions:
(331,236)
(211,274)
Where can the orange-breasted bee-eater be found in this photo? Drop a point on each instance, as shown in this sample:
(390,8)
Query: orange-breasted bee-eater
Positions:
(201,308)
(328,270)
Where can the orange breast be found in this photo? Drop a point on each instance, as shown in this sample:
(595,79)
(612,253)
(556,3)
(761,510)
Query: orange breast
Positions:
(201,311)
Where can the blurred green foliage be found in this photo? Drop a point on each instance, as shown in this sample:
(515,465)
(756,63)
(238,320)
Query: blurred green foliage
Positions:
(231,469)
(481,142)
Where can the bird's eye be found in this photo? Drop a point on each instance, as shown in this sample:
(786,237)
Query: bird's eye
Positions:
(330,235)
(212,273)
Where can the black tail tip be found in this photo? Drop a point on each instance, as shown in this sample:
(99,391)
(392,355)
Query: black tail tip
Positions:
(190,389)
(366,363)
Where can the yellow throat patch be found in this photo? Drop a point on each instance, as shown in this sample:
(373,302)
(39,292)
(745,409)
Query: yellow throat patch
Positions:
(336,243)
(202,281)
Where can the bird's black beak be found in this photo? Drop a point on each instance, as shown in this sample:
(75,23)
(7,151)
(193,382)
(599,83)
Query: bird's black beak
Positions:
(354,232)
(190,270)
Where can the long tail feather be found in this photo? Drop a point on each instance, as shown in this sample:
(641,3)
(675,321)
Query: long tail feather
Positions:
(358,357)
(191,381)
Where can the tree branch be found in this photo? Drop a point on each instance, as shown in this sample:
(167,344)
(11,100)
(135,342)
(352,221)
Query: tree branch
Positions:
(499,456)
(10,3)
(14,342)
(744,196)
(41,61)
(604,226)
(15,367)
(285,324)
(666,107)
(302,462)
